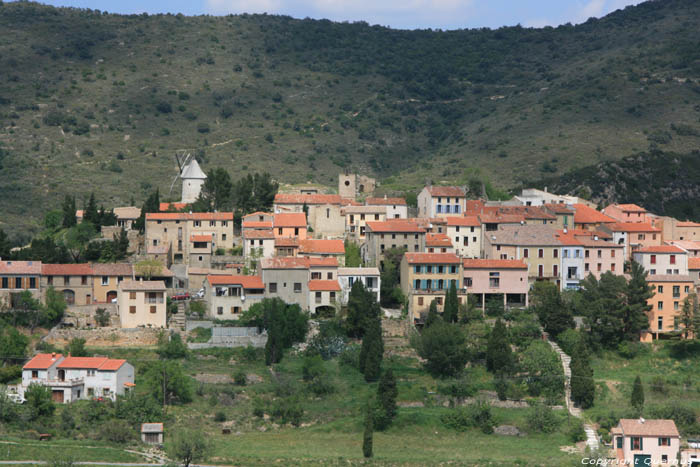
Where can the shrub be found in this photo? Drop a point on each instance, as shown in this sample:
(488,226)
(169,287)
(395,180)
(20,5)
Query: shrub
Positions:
(10,373)
(116,431)
(250,353)
(542,419)
(197,308)
(102,317)
(460,389)
(576,432)
(630,350)
(239,378)
(312,367)
(350,356)
(203,127)
(164,107)
(474,415)
(287,410)
(322,385)
(568,340)
(220,417)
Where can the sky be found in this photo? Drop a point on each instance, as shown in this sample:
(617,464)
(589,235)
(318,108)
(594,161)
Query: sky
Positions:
(402,14)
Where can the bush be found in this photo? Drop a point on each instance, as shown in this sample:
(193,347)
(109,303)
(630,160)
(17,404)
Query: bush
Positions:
(442,345)
(239,378)
(250,353)
(102,317)
(322,385)
(197,308)
(568,340)
(350,356)
(203,127)
(220,417)
(630,350)
(658,385)
(287,410)
(10,373)
(474,415)
(164,107)
(116,431)
(459,389)
(576,432)
(542,419)
(312,367)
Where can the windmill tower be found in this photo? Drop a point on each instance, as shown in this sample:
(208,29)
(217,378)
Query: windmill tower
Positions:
(192,178)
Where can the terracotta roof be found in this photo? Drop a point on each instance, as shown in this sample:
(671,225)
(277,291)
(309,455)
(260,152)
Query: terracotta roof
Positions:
(688,245)
(247,282)
(20,267)
(295,198)
(318,286)
(525,235)
(567,239)
(589,241)
(112,269)
(445,191)
(330,261)
(97,363)
(66,270)
(363,210)
(395,225)
(287,241)
(669,278)
(431,258)
(693,263)
(474,205)
(349,202)
(127,212)
(558,208)
(661,249)
(493,264)
(628,207)
(265,233)
(176,206)
(633,227)
(496,218)
(200,238)
(189,216)
(290,219)
(257,214)
(285,262)
(322,246)
(588,215)
(687,224)
(151,428)
(635,427)
(42,361)
(465,221)
(129,284)
(528,212)
(438,240)
(256,225)
(358,271)
(385,201)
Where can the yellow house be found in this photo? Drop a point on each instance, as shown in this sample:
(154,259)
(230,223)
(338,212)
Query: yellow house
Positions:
(142,303)
(107,278)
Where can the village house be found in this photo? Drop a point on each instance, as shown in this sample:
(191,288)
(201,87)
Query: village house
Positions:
(438,201)
(257,221)
(200,250)
(673,229)
(465,234)
(493,221)
(438,243)
(286,246)
(633,236)
(587,218)
(646,442)
(426,277)
(323,296)
(627,213)
(530,214)
(356,218)
(74,378)
(259,243)
(323,216)
(535,197)
(670,290)
(227,296)
(370,278)
(142,303)
(692,248)
(662,259)
(395,208)
(563,213)
(322,248)
(107,277)
(287,278)
(162,253)
(290,224)
(572,260)
(499,279)
(600,256)
(197,276)
(73,280)
(382,236)
(17,277)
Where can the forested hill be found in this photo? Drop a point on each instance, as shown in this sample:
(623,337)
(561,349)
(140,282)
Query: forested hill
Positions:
(100,102)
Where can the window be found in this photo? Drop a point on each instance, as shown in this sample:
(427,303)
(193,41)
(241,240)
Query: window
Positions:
(588,254)
(235,310)
(675,306)
(660,305)
(273,287)
(600,267)
(612,253)
(224,224)
(328,213)
(673,259)
(676,291)
(640,237)
(494,280)
(429,269)
(105,280)
(619,442)
(652,259)
(315,276)
(32,283)
(132,295)
(132,309)
(660,289)
(660,323)
(636,443)
(35,374)
(526,253)
(664,441)
(420,301)
(153,309)
(652,272)
(467,281)
(197,223)
(600,253)
(329,276)
(219,310)
(318,297)
(66,280)
(586,267)
(91,372)
(223,237)
(555,253)
(664,459)
(370,282)
(50,280)
(565,253)
(297,286)
(540,253)
(612,267)
(212,223)
(686,289)
(332,296)
(416,284)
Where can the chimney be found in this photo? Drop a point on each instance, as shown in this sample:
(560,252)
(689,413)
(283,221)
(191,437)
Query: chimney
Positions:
(566,230)
(545,190)
(53,356)
(595,237)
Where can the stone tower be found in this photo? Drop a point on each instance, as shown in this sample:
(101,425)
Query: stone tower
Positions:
(192,180)
(347,185)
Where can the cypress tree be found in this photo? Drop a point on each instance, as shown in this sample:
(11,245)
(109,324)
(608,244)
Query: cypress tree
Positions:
(451,312)
(372,351)
(582,384)
(499,356)
(433,315)
(369,432)
(637,399)
(69,212)
(91,214)
(386,395)
(637,295)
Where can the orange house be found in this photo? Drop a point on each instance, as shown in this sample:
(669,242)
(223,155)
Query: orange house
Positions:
(627,213)
(669,293)
(290,224)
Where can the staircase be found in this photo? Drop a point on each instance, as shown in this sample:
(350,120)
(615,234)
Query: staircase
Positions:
(177,320)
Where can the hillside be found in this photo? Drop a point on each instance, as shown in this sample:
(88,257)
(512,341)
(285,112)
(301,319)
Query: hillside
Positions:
(100,102)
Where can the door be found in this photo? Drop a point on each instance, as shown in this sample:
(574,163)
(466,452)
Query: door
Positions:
(111,295)
(57,396)
(69,296)
(642,459)
(61,375)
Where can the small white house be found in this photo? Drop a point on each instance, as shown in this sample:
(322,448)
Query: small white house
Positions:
(369,277)
(73,378)
(646,442)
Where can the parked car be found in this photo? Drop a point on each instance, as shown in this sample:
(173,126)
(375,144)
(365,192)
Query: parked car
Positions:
(180,296)
(16,398)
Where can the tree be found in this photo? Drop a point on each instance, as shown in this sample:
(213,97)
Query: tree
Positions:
(499,356)
(353,259)
(433,316)
(152,204)
(451,311)
(13,345)
(544,369)
(386,398)
(362,309)
(39,401)
(285,325)
(68,209)
(76,239)
(167,382)
(604,301)
(443,346)
(582,384)
(637,295)
(55,306)
(5,245)
(637,397)
(369,431)
(171,347)
(148,268)
(90,212)
(217,191)
(102,317)
(547,302)
(372,351)
(189,446)
(121,244)
(390,293)
(76,348)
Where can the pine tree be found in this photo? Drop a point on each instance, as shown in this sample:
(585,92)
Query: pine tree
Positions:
(637,399)
(499,356)
(433,315)
(637,295)
(386,396)
(90,213)
(451,312)
(69,212)
(362,309)
(689,316)
(582,384)
(372,351)
(369,431)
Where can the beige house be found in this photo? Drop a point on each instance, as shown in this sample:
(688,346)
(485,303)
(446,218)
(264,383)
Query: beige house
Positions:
(107,277)
(395,208)
(73,280)
(142,303)
(287,278)
(428,276)
(324,295)
(439,201)
(673,229)
(18,276)
(321,248)
(197,276)
(260,242)
(646,442)
(324,216)
(662,259)
(228,296)
(627,213)
(633,235)
(465,233)
(563,213)
(397,233)
(438,243)
(356,218)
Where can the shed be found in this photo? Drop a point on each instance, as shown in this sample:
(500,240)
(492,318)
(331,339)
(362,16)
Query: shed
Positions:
(152,433)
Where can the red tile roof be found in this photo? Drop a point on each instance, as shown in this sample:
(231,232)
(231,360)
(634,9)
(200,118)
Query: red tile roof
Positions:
(42,361)
(635,427)
(567,239)
(264,233)
(496,218)
(20,267)
(558,208)
(395,225)
(687,224)
(256,225)
(445,191)
(112,269)
(295,198)
(633,227)
(493,264)
(285,262)
(693,263)
(166,206)
(200,238)
(528,212)
(97,363)
(474,206)
(431,258)
(318,286)
(465,221)
(189,216)
(111,364)
(322,246)
(661,249)
(629,207)
(247,282)
(66,270)
(437,240)
(385,201)
(325,262)
(588,215)
(290,219)
(287,241)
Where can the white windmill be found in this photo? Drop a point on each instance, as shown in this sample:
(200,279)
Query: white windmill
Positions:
(192,177)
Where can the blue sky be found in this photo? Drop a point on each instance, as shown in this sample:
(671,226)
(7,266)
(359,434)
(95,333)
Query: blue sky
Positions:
(405,14)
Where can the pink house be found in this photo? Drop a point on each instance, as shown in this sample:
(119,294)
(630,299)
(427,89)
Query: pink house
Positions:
(627,213)
(290,224)
(646,442)
(497,278)
(600,256)
(633,235)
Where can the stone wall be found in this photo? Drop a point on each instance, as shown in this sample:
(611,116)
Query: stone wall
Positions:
(105,337)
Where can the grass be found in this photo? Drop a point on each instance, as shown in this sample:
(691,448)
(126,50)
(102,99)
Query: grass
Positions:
(12,448)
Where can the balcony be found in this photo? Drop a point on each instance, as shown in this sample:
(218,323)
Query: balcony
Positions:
(153,300)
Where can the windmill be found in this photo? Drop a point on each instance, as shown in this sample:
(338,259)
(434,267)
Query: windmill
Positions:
(181,164)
